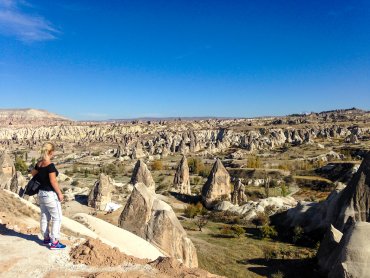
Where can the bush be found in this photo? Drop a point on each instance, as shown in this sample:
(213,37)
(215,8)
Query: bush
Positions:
(238,230)
(157,165)
(201,221)
(226,217)
(226,230)
(284,190)
(20,165)
(268,231)
(298,233)
(254,162)
(260,220)
(278,274)
(270,253)
(193,210)
(197,167)
(75,183)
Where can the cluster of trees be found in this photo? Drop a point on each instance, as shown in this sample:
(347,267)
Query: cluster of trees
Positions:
(197,167)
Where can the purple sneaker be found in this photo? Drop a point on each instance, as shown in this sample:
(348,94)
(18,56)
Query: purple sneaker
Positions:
(57,246)
(46,241)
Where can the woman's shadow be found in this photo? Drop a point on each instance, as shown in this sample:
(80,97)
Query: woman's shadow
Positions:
(4,231)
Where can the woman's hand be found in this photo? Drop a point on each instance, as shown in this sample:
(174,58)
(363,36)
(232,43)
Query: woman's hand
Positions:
(60,197)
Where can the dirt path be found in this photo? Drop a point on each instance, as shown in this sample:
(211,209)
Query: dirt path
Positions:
(24,256)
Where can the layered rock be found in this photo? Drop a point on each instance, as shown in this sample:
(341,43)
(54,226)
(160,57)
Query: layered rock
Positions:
(238,196)
(141,174)
(217,186)
(156,222)
(7,170)
(181,182)
(101,193)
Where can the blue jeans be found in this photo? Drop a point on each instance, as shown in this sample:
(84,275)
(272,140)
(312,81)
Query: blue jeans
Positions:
(51,213)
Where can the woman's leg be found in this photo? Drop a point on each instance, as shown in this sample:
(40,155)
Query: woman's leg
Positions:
(55,210)
(44,215)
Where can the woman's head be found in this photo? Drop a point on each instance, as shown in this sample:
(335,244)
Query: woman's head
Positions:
(47,151)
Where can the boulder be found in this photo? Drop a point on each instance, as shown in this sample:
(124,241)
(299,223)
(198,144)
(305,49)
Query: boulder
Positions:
(217,186)
(141,174)
(155,221)
(181,182)
(101,193)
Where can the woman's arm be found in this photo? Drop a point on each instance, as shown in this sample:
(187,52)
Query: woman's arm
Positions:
(34,172)
(54,184)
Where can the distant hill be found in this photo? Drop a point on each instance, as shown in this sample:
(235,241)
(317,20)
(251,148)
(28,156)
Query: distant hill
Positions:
(14,116)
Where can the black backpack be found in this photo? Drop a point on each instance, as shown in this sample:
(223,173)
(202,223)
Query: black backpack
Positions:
(32,187)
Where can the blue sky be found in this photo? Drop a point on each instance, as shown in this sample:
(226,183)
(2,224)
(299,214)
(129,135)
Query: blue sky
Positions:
(126,59)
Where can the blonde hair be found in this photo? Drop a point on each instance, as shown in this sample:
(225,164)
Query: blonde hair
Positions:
(46,149)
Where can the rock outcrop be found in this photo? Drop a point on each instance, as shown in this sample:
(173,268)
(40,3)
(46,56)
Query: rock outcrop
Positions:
(17,183)
(156,222)
(352,201)
(238,196)
(217,186)
(181,182)
(349,257)
(101,193)
(7,170)
(141,174)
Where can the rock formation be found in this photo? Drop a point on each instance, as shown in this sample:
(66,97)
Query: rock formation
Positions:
(7,170)
(137,152)
(217,186)
(349,257)
(101,193)
(238,196)
(181,182)
(141,174)
(17,183)
(156,222)
(342,204)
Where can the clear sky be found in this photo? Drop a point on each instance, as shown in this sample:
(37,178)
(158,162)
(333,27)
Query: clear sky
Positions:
(125,59)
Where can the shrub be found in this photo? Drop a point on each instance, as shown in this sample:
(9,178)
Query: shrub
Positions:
(284,190)
(75,183)
(238,230)
(254,162)
(157,165)
(193,210)
(270,253)
(278,274)
(226,230)
(197,167)
(298,233)
(268,231)
(201,221)
(261,219)
(20,165)
(226,217)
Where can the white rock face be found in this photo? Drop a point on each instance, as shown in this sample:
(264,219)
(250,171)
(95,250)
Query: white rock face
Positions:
(251,208)
(351,257)
(181,181)
(155,221)
(101,193)
(7,170)
(141,174)
(217,186)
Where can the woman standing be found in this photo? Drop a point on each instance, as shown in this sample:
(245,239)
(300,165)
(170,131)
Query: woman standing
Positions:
(50,197)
